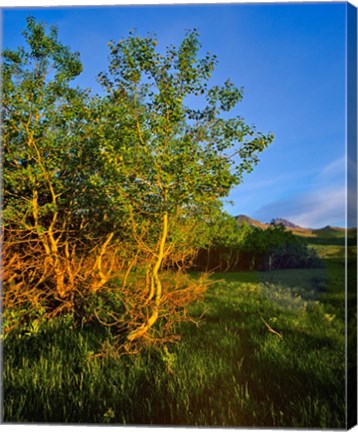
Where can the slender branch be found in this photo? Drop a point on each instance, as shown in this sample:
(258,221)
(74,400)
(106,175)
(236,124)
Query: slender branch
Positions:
(271,330)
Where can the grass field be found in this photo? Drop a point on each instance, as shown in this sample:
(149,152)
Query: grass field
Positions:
(268,352)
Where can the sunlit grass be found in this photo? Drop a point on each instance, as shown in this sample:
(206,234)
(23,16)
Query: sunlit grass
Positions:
(230,371)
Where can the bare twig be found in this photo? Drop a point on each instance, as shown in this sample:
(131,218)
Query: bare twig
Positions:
(271,330)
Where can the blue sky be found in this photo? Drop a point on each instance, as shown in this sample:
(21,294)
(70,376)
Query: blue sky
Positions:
(290,59)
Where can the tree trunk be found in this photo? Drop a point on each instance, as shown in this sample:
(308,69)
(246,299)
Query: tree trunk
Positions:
(237,256)
(228,262)
(208,260)
(140,331)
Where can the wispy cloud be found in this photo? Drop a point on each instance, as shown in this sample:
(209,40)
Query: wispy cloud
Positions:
(333,169)
(276,180)
(323,204)
(316,209)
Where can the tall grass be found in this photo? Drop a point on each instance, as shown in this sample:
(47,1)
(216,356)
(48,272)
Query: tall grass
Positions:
(269,352)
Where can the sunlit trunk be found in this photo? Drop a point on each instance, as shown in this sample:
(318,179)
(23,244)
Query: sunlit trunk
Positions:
(156,291)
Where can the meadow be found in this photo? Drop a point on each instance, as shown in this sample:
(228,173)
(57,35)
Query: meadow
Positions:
(269,351)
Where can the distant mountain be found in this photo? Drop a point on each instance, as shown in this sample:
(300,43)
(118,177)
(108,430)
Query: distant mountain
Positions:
(285,222)
(251,222)
(255,223)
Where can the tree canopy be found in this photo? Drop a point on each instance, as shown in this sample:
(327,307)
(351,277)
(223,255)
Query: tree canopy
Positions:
(102,192)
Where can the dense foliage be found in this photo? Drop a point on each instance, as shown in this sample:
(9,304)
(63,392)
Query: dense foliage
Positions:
(102,192)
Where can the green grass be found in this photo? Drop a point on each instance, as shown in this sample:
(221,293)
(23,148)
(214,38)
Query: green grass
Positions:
(230,371)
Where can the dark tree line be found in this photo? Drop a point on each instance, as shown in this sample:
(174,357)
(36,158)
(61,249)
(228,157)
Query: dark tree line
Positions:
(252,248)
